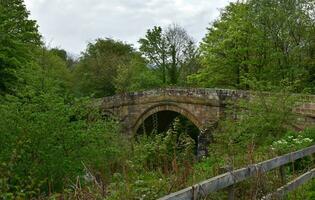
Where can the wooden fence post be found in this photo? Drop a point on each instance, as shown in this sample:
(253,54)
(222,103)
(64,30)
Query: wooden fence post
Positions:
(282,175)
(283,179)
(229,189)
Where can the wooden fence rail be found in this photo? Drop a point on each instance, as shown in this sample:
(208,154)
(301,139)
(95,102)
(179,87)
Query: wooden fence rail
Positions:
(230,178)
(291,185)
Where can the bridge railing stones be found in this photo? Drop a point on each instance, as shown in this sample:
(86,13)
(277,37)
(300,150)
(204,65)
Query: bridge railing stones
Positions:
(220,95)
(196,92)
(204,93)
(211,96)
(205,105)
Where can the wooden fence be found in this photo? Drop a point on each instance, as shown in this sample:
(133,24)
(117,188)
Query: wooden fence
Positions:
(230,178)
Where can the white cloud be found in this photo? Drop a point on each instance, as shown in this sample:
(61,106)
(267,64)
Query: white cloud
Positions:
(70,24)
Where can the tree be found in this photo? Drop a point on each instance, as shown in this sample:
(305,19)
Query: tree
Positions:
(268,41)
(154,47)
(226,50)
(18,38)
(167,51)
(136,76)
(191,66)
(53,71)
(289,29)
(61,53)
(101,64)
(179,44)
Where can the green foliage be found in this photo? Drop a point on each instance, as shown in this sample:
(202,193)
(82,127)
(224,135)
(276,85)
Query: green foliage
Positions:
(309,133)
(54,71)
(18,37)
(171,52)
(252,126)
(60,53)
(108,66)
(154,47)
(265,116)
(293,141)
(45,140)
(135,76)
(264,40)
(162,149)
(304,192)
(157,164)
(290,142)
(225,49)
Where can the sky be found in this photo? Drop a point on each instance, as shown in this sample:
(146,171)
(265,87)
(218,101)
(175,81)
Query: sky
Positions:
(72,24)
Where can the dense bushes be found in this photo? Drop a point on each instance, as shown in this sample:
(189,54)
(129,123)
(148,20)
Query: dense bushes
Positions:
(45,141)
(156,165)
(48,144)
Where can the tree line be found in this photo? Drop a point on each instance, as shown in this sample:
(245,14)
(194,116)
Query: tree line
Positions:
(263,41)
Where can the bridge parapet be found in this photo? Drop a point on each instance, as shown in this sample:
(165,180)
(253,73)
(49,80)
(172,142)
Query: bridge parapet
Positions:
(203,106)
(205,96)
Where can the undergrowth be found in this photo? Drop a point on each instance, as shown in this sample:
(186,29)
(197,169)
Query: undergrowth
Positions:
(56,149)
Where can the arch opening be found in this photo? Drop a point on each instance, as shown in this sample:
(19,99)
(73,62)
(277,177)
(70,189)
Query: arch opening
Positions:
(162,121)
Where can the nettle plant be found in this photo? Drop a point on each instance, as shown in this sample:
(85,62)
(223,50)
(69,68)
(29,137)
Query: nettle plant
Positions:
(291,143)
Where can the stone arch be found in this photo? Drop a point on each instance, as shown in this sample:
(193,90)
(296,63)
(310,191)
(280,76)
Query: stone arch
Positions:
(166,107)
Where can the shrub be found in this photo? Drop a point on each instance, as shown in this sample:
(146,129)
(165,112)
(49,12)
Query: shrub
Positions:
(45,141)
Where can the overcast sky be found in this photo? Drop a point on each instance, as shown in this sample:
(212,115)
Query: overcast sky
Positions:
(71,24)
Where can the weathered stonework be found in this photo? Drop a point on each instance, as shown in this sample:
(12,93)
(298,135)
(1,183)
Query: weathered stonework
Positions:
(202,106)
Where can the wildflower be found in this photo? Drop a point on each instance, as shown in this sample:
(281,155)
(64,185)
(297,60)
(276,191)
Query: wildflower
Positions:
(308,140)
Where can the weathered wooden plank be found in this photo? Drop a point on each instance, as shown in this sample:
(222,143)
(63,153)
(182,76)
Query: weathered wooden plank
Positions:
(230,178)
(291,185)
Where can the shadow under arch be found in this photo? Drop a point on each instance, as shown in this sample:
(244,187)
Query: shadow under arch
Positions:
(166,107)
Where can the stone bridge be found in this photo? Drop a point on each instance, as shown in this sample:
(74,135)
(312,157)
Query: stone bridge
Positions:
(202,106)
